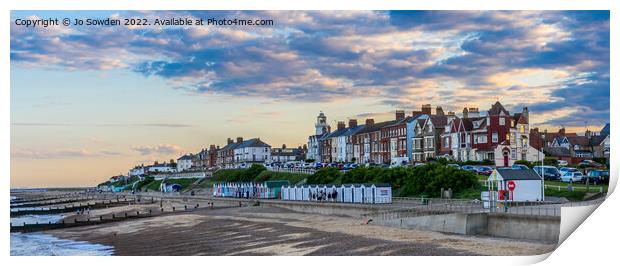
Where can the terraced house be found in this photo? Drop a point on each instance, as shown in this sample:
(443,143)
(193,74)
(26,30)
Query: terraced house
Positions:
(251,151)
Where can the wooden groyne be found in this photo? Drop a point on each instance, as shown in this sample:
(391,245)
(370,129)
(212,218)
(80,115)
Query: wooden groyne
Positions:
(108,218)
(75,207)
(46,198)
(51,202)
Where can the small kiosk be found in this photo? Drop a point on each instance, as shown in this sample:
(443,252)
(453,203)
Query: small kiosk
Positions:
(509,184)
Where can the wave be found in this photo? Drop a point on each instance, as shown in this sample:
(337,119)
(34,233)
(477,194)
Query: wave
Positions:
(40,244)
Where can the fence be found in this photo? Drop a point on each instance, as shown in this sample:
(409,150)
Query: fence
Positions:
(411,207)
(598,189)
(293,170)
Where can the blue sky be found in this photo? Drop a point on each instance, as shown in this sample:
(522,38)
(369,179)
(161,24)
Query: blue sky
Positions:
(118,96)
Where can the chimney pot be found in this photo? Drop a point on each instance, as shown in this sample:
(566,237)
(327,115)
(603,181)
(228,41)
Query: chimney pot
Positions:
(426,109)
(341,125)
(370,121)
(400,114)
(352,123)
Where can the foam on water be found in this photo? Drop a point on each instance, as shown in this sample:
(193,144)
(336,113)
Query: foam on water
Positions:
(39,244)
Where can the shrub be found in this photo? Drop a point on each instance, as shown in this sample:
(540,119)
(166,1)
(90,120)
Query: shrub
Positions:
(327,175)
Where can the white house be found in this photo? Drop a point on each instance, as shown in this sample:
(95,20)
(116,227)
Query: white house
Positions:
(184,162)
(137,171)
(252,151)
(161,168)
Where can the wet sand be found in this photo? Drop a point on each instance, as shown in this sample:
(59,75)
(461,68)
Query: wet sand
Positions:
(275,231)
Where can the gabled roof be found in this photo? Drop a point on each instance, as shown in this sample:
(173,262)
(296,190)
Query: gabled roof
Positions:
(375,127)
(230,146)
(185,157)
(556,151)
(578,140)
(497,108)
(518,174)
(439,121)
(255,142)
(605,130)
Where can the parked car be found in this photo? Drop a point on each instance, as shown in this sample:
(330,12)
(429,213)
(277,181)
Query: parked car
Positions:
(568,169)
(484,170)
(589,163)
(520,166)
(453,165)
(318,165)
(548,172)
(562,163)
(571,177)
(353,166)
(598,177)
(332,165)
(470,168)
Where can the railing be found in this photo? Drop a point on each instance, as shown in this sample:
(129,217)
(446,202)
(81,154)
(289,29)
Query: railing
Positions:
(412,207)
(594,188)
(293,170)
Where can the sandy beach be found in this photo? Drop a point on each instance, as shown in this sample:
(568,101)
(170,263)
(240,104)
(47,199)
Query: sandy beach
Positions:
(275,231)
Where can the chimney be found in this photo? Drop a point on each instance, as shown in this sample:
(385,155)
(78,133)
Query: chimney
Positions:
(562,131)
(451,113)
(473,112)
(439,111)
(229,141)
(283,146)
(370,121)
(400,114)
(352,123)
(341,125)
(426,109)
(212,147)
(416,113)
(156,162)
(526,114)
(465,114)
(239,139)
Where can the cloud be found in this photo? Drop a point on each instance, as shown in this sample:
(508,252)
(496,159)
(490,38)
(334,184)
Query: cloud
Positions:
(59,154)
(400,58)
(164,149)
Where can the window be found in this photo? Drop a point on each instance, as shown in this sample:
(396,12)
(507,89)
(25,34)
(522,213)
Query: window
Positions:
(446,142)
(502,121)
(494,137)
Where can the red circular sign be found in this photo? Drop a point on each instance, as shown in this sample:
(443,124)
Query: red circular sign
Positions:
(511,185)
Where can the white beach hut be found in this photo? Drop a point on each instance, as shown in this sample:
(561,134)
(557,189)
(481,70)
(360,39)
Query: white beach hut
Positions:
(382,193)
(358,193)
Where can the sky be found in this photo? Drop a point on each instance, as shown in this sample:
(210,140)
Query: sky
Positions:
(89,102)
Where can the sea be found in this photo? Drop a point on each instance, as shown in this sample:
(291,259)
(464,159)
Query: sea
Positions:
(41,244)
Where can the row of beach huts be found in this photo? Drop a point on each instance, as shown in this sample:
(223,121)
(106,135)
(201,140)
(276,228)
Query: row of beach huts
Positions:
(346,193)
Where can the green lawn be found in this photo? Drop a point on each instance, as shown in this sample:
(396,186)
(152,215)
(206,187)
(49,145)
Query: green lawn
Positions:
(572,196)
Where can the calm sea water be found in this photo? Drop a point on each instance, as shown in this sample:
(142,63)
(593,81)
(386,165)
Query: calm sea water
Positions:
(40,244)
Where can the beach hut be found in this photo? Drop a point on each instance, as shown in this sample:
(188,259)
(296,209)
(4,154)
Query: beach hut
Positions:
(297,193)
(347,193)
(313,191)
(358,193)
(334,190)
(305,192)
(369,195)
(284,193)
(382,193)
